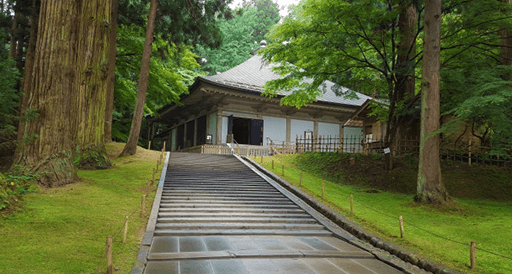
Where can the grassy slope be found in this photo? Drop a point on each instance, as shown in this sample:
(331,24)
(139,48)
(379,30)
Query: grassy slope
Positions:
(63,230)
(486,222)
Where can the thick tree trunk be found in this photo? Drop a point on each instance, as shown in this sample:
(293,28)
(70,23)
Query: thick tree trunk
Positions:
(131,146)
(111,72)
(407,26)
(67,86)
(430,185)
(29,64)
(14,30)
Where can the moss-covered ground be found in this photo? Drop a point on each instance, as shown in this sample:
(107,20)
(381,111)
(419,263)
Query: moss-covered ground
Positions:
(64,229)
(481,210)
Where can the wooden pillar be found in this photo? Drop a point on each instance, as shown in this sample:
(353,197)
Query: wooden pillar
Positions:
(288,130)
(219,129)
(184,134)
(194,142)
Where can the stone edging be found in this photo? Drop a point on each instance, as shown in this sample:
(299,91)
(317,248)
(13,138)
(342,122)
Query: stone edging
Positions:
(384,251)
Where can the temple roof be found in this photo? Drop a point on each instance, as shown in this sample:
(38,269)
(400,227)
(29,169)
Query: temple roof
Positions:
(252,74)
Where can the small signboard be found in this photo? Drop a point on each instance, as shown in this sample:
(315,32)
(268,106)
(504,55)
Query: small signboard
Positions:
(308,134)
(209,139)
(387,150)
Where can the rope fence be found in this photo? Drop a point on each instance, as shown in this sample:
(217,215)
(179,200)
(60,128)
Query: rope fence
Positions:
(472,245)
(149,187)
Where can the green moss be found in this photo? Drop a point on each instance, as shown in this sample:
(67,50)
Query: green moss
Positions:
(63,230)
(486,222)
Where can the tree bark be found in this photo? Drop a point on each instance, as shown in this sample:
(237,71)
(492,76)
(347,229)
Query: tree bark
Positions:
(111,72)
(14,30)
(67,86)
(131,146)
(430,187)
(407,27)
(29,64)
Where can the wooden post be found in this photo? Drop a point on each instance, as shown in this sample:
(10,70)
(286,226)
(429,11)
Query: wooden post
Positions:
(469,158)
(142,205)
(163,149)
(323,191)
(351,205)
(149,145)
(401,221)
(341,143)
(272,164)
(109,255)
(125,229)
(296,143)
(472,254)
(300,180)
(282,174)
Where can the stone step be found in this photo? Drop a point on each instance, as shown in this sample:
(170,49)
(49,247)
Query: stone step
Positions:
(234,202)
(261,254)
(231,210)
(233,214)
(235,232)
(217,191)
(226,205)
(230,219)
(234,195)
(225,199)
(199,226)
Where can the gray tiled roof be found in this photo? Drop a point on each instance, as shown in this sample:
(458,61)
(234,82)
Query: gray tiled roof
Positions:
(253,74)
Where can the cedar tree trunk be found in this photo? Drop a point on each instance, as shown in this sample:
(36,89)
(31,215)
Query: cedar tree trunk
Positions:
(29,64)
(111,72)
(430,185)
(405,83)
(67,86)
(131,146)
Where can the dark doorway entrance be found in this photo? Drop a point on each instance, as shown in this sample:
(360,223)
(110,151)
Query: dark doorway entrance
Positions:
(247,131)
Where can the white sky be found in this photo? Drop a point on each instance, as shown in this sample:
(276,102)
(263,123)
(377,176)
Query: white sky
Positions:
(281,3)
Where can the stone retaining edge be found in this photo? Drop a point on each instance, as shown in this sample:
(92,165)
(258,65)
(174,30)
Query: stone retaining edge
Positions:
(384,251)
(140,264)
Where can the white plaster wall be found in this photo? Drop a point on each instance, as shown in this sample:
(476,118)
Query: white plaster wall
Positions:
(299,126)
(349,133)
(274,128)
(212,127)
(326,129)
(224,130)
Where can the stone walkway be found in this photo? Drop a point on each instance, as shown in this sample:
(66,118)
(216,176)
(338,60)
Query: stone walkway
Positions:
(214,214)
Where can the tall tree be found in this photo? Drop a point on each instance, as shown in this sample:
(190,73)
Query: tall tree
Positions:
(131,145)
(180,22)
(111,63)
(430,184)
(67,87)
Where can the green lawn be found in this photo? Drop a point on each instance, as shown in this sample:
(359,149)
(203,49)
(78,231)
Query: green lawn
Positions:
(63,230)
(488,223)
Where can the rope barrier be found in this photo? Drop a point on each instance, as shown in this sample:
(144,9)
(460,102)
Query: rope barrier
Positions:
(426,231)
(433,234)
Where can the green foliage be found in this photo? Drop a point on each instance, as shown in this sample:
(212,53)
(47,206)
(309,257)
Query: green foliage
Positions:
(17,182)
(91,157)
(173,68)
(481,97)
(356,45)
(9,98)
(241,35)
